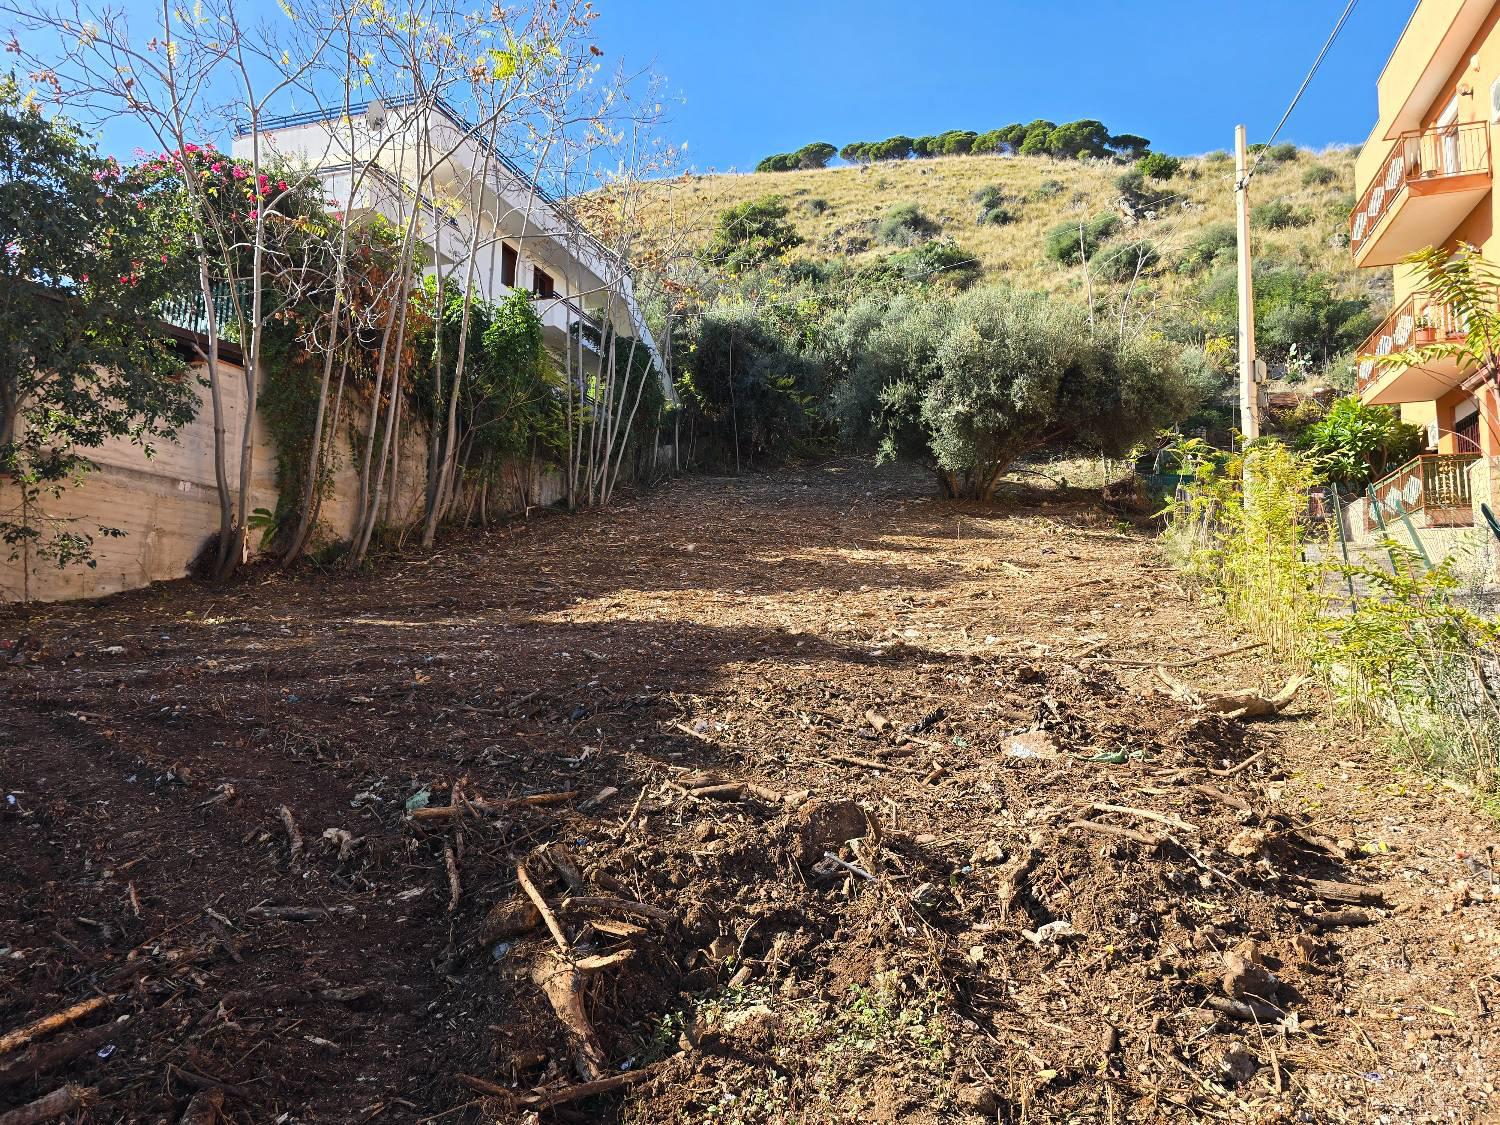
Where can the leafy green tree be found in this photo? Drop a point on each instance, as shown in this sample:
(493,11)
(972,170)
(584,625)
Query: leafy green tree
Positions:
(1038,138)
(899,147)
(856,152)
(751,234)
(967,384)
(1354,444)
(90,253)
(815,155)
(1129,146)
(1079,139)
(779,162)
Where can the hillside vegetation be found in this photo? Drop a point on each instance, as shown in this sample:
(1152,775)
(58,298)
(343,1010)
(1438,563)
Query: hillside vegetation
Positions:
(837,211)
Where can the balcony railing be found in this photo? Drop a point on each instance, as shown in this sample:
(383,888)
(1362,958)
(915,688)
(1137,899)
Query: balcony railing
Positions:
(1434,485)
(1420,159)
(1420,319)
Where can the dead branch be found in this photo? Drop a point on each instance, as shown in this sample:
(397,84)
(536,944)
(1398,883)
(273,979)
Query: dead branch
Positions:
(293,836)
(1144,814)
(65,1099)
(542,908)
(48,1024)
(1115,830)
(562,984)
(41,1058)
(455,889)
(546,1099)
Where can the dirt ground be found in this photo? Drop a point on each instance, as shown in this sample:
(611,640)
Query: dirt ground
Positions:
(849,805)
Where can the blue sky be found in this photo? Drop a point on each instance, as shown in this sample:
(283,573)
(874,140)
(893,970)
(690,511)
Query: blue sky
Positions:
(752,77)
(771,75)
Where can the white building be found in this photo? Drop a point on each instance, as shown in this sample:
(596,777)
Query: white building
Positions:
(471,202)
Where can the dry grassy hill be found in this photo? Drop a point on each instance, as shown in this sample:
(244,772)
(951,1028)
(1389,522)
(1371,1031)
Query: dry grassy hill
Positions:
(836,209)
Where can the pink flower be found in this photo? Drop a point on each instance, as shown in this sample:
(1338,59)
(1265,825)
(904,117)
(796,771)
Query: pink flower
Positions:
(254,213)
(189,148)
(281,185)
(216,166)
(163,257)
(239,173)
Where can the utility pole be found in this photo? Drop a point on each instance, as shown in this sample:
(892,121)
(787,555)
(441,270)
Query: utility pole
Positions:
(1249,392)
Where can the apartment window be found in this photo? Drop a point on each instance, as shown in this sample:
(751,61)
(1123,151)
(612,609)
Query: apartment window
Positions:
(509,260)
(542,284)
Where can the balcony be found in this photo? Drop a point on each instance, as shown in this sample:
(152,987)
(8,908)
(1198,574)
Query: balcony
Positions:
(1426,186)
(1433,489)
(1420,319)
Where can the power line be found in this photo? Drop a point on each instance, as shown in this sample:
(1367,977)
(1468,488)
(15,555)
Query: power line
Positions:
(1302,89)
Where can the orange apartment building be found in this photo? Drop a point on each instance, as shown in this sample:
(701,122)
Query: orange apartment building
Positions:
(1425,177)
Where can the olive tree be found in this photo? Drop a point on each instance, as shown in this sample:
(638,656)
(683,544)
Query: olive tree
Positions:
(968,384)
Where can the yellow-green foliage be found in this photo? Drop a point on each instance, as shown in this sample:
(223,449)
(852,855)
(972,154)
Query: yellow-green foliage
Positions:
(1395,646)
(836,210)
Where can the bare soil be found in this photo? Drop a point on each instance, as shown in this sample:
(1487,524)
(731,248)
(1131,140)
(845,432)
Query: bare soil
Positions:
(874,809)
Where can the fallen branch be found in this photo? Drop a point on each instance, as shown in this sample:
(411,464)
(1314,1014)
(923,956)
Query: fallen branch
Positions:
(455,888)
(41,1058)
(543,909)
(1356,894)
(1333,919)
(446,812)
(546,1099)
(1232,770)
(562,984)
(1247,1011)
(1145,814)
(48,1024)
(1115,830)
(860,871)
(293,836)
(64,1099)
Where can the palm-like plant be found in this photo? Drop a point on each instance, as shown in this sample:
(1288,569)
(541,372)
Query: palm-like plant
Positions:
(1467,285)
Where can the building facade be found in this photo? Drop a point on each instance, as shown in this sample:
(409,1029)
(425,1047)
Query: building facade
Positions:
(477,214)
(1425,178)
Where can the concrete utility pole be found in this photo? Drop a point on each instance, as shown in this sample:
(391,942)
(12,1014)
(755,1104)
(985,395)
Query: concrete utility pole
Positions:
(1249,401)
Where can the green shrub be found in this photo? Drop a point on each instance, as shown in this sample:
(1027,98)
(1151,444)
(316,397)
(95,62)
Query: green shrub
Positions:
(905,225)
(1319,175)
(1282,153)
(1065,241)
(990,195)
(936,263)
(750,235)
(1126,260)
(1218,156)
(1278,214)
(1158,166)
(1214,245)
(997,216)
(813,206)
(1354,444)
(1048,189)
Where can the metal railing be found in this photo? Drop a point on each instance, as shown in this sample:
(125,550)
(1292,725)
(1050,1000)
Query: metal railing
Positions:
(1436,484)
(189,312)
(1420,319)
(1432,154)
